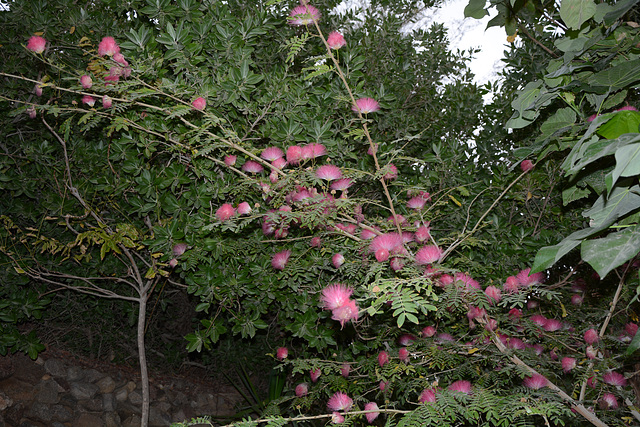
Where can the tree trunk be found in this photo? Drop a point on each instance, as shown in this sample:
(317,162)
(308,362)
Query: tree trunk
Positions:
(142,357)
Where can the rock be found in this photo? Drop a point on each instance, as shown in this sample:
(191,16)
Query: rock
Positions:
(5,402)
(55,367)
(14,413)
(91,375)
(88,420)
(40,411)
(47,392)
(75,373)
(111,419)
(132,421)
(130,386)
(6,367)
(122,394)
(135,398)
(91,405)
(178,416)
(17,389)
(109,402)
(106,385)
(82,390)
(61,413)
(158,417)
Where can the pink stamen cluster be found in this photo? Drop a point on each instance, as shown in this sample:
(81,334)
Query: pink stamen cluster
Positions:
(337,298)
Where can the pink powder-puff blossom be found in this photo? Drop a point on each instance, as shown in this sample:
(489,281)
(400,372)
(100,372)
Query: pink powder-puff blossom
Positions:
(526,165)
(173,262)
(279,163)
(591,352)
(107,102)
(428,331)
(608,401)
(282,353)
(614,379)
(345,370)
(367,234)
(383,385)
(406,339)
(335,40)
(340,402)
(592,382)
(337,260)
(387,241)
(423,233)
(371,406)
(428,255)
(315,242)
(86,82)
(336,295)
(272,153)
(294,154)
(302,389)
(31,111)
(403,355)
(631,329)
(568,363)
(515,314)
(199,103)
(526,279)
(576,299)
(89,100)
(315,374)
(552,325)
(511,286)
(416,203)
(311,151)
(303,15)
(494,295)
(461,386)
(341,184)
(535,381)
(329,172)
(38,89)
(345,313)
(427,396)
(382,255)
(591,336)
(539,320)
(366,105)
(383,358)
(337,418)
(108,46)
(110,80)
(119,58)
(230,159)
(36,44)
(280,259)
(252,167)
(179,249)
(244,208)
(392,172)
(225,212)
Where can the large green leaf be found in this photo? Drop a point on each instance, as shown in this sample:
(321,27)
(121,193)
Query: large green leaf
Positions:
(475,9)
(633,345)
(627,163)
(622,122)
(583,154)
(574,13)
(607,209)
(562,118)
(611,251)
(619,76)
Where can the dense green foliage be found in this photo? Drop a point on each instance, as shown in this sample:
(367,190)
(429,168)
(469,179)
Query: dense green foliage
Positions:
(158,194)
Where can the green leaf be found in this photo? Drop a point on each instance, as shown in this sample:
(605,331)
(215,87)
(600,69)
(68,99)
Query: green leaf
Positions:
(564,117)
(574,13)
(611,251)
(627,163)
(475,9)
(619,76)
(619,9)
(607,209)
(622,122)
(633,345)
(573,193)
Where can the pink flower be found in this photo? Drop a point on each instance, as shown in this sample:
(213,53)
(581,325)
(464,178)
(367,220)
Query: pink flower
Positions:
(536,381)
(428,331)
(539,320)
(576,299)
(279,163)
(111,80)
(38,90)
(272,153)
(252,167)
(282,353)
(526,165)
(428,255)
(403,355)
(371,406)
(383,358)
(119,58)
(106,101)
(416,203)
(591,352)
(86,82)
(392,172)
(423,233)
(302,389)
(316,242)
(315,374)
(366,105)
(627,108)
(199,103)
(631,329)
(428,395)
(335,40)
(336,295)
(230,159)
(337,418)
(89,100)
(36,44)
(244,208)
(303,15)
(341,184)
(527,280)
(382,255)
(493,294)
(615,379)
(591,336)
(388,241)
(339,402)
(31,111)
(173,262)
(345,369)
(329,172)
(337,260)
(225,212)
(346,312)
(383,385)
(294,154)
(515,313)
(179,249)
(468,281)
(552,325)
(311,151)
(406,339)
(568,363)
(367,234)
(280,259)
(461,386)
(592,381)
(608,401)
(108,46)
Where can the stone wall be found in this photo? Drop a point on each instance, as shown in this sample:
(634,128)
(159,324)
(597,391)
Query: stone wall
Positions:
(58,391)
